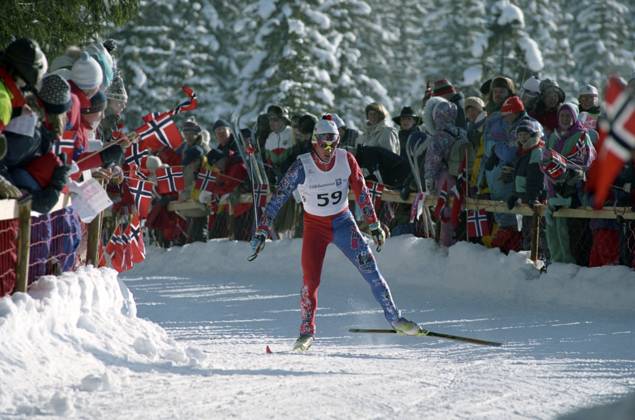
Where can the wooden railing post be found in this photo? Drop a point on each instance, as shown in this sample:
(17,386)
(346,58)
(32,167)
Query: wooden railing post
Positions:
(94,236)
(535,235)
(24,244)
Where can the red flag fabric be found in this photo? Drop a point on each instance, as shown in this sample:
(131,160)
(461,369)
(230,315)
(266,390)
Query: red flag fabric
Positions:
(442,201)
(65,146)
(137,154)
(459,191)
(142,194)
(205,181)
(553,164)
(477,223)
(135,234)
(119,250)
(617,140)
(170,179)
(417,206)
(375,191)
(260,195)
(159,131)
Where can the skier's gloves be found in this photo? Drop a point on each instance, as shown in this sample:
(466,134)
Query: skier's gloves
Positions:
(258,241)
(378,234)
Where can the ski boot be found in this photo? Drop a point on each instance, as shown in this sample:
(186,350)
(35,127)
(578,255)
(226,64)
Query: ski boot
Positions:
(303,343)
(405,327)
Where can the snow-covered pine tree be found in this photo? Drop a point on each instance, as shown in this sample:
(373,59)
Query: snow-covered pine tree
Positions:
(548,22)
(352,87)
(176,42)
(289,60)
(506,48)
(602,40)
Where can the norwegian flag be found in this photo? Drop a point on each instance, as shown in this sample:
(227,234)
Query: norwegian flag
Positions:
(477,223)
(617,140)
(554,165)
(119,250)
(260,195)
(170,179)
(142,193)
(459,191)
(160,130)
(134,171)
(205,181)
(375,190)
(65,146)
(442,202)
(137,154)
(135,235)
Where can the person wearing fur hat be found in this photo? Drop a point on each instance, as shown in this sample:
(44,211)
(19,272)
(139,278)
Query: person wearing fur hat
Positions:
(499,89)
(446,90)
(571,141)
(546,109)
(323,178)
(378,133)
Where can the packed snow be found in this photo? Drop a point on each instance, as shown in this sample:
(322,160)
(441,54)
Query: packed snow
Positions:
(184,335)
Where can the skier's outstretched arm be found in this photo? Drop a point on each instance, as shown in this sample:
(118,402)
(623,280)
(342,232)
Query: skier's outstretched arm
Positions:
(289,182)
(362,197)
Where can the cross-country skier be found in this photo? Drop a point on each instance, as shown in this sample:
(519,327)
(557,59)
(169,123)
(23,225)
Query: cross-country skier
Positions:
(323,178)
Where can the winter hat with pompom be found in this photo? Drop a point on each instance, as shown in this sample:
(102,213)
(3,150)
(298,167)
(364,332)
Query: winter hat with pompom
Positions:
(117,90)
(86,72)
(55,94)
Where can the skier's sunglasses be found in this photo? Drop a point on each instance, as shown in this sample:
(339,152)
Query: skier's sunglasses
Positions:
(326,140)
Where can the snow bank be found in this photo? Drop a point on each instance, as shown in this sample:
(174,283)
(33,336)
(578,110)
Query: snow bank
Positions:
(77,329)
(465,269)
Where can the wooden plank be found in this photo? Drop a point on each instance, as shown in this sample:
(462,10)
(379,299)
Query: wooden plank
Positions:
(24,244)
(9,209)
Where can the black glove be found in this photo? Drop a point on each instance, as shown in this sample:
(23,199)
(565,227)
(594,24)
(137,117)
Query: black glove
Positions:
(507,174)
(44,200)
(511,201)
(492,161)
(60,177)
(112,155)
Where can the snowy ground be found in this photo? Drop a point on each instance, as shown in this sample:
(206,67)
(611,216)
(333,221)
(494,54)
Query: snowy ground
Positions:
(191,343)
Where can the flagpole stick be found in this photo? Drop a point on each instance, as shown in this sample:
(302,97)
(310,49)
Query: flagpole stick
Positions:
(112,143)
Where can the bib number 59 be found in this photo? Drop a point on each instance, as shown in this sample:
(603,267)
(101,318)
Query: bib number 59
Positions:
(334,198)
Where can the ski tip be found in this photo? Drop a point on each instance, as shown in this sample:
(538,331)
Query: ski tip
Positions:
(268,350)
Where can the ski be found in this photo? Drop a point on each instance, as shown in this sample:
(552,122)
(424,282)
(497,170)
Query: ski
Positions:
(430,334)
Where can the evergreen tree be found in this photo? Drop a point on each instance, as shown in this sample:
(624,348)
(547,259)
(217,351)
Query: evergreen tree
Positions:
(57,24)
(602,40)
(173,43)
(548,24)
(506,48)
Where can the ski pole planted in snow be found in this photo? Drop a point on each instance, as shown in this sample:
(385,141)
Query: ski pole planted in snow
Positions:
(429,334)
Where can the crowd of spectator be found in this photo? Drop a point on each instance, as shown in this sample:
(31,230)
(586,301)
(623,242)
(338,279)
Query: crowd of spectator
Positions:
(62,123)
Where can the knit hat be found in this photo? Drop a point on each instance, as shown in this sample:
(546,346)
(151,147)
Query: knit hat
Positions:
(442,87)
(191,126)
(97,103)
(55,94)
(532,127)
(117,90)
(220,123)
(512,105)
(28,60)
(588,89)
(66,60)
(407,111)
(339,122)
(325,126)
(103,57)
(86,72)
(532,85)
(474,102)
